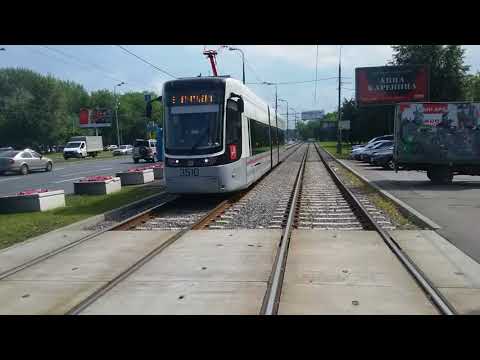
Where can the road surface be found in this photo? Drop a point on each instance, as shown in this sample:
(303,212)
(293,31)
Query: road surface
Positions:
(64,174)
(455,207)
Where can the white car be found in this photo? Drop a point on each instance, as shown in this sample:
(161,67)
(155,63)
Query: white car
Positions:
(111,147)
(123,150)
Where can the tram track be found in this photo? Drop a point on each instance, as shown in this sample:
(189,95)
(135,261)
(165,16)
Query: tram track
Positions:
(355,214)
(175,213)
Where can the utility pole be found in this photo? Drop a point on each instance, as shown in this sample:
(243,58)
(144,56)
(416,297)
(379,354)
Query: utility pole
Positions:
(339,129)
(116,112)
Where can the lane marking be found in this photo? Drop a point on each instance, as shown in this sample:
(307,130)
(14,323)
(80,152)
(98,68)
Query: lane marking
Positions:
(58,182)
(12,178)
(85,172)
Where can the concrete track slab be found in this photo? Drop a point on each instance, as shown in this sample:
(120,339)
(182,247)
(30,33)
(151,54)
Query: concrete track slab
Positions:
(18,254)
(216,272)
(443,263)
(351,266)
(181,298)
(99,259)
(60,282)
(42,297)
(333,299)
(196,256)
(465,301)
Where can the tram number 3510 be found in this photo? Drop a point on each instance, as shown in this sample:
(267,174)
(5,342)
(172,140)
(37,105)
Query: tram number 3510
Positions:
(189,172)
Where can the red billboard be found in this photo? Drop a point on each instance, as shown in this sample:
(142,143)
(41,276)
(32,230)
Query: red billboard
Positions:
(92,118)
(392,84)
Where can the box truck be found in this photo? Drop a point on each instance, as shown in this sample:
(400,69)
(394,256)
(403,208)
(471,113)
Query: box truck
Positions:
(442,139)
(83,146)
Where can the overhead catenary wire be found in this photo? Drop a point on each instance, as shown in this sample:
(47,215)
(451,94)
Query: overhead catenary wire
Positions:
(147,62)
(81,63)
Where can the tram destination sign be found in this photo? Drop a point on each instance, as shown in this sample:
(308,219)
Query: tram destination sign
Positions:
(195,99)
(386,85)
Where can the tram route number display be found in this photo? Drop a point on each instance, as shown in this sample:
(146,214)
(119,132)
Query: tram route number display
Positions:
(189,172)
(196,99)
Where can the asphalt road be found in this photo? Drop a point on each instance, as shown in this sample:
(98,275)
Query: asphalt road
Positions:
(64,174)
(455,207)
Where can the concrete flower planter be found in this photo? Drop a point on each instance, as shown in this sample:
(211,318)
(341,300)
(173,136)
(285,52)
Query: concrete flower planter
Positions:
(157,170)
(97,185)
(136,176)
(32,200)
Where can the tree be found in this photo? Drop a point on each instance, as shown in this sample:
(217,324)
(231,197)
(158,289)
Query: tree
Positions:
(472,87)
(447,68)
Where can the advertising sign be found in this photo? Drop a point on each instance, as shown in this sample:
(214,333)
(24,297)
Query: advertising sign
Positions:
(95,118)
(391,84)
(437,133)
(313,115)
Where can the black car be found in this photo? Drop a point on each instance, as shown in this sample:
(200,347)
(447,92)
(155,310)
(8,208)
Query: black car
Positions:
(384,158)
(380,145)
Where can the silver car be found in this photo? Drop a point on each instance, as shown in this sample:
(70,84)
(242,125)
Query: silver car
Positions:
(24,161)
(123,150)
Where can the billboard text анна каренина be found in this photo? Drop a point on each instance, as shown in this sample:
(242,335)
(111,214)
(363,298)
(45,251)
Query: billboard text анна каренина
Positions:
(391,84)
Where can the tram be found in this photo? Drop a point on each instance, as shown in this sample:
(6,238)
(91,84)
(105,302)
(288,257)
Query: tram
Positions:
(219,137)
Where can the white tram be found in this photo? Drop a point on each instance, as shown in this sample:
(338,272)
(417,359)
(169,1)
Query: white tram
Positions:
(219,136)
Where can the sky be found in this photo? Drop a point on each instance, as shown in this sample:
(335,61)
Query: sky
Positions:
(102,66)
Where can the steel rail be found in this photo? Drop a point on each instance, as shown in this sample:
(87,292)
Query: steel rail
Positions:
(432,293)
(274,289)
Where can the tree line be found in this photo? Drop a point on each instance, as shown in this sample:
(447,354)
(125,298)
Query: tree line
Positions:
(449,81)
(38,111)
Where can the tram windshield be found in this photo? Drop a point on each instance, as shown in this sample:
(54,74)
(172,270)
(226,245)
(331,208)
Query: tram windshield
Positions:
(195,129)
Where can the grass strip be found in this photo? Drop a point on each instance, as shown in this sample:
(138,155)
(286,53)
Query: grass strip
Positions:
(15,228)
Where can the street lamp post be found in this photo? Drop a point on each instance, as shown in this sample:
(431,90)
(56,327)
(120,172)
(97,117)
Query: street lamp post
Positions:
(243,60)
(116,112)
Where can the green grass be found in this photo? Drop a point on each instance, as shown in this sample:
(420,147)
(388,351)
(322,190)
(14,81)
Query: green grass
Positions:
(15,228)
(331,147)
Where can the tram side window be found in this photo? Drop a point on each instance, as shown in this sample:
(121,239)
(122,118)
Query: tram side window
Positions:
(234,127)
(260,136)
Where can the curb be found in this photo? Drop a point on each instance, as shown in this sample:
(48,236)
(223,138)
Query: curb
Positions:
(405,209)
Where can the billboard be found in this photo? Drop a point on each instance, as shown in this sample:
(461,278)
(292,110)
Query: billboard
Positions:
(385,85)
(437,133)
(313,115)
(95,118)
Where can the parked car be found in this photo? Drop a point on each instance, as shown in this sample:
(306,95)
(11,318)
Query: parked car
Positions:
(383,144)
(123,150)
(24,161)
(145,149)
(384,158)
(8,148)
(378,138)
(110,148)
(357,154)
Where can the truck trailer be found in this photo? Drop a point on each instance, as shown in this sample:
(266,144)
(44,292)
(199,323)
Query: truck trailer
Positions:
(442,139)
(83,146)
